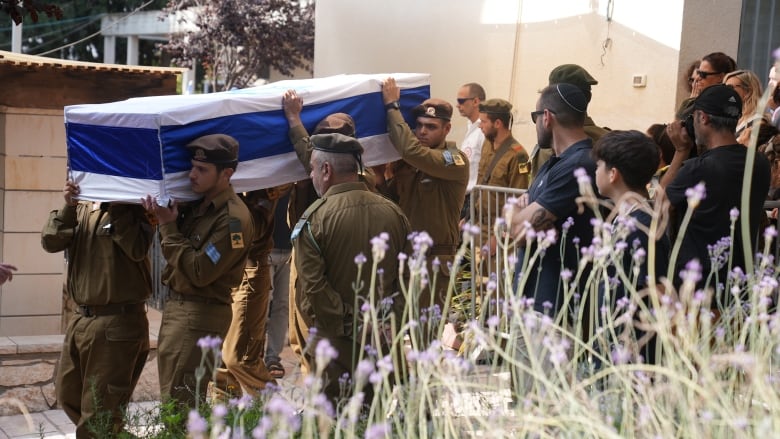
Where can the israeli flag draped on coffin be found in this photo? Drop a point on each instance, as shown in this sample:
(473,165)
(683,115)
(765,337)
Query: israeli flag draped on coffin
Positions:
(122,151)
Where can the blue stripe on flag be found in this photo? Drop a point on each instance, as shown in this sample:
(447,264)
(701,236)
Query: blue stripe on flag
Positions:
(265,134)
(118,151)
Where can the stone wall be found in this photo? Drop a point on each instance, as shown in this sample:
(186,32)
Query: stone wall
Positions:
(28,366)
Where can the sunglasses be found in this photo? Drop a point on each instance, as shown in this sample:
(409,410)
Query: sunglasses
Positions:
(704,74)
(537,113)
(462,101)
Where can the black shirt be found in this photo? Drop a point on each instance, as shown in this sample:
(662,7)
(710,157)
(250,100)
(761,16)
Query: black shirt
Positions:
(721,170)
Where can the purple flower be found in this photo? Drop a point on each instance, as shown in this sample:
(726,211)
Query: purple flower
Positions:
(491,286)
(325,352)
(219,411)
(196,425)
(733,214)
(582,176)
(695,195)
(378,431)
(493,322)
(567,224)
(691,272)
(360,259)
(621,355)
(209,342)
(402,256)
(770,233)
(379,246)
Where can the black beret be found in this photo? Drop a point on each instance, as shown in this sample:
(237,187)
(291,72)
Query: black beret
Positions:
(337,143)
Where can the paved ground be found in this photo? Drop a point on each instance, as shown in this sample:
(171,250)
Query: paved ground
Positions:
(55,424)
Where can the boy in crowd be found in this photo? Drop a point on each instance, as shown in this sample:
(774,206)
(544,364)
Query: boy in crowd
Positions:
(625,163)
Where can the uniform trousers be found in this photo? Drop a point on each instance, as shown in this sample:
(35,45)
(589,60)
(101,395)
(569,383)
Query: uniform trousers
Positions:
(105,354)
(280,303)
(242,350)
(183,324)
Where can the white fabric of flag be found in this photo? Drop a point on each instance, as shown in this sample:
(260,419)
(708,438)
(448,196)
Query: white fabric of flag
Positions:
(122,151)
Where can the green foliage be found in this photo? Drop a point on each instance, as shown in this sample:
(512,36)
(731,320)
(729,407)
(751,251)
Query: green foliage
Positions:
(73,21)
(238,41)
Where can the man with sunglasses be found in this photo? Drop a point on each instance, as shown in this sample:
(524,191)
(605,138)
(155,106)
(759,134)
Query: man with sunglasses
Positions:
(575,75)
(470,97)
(430,185)
(551,199)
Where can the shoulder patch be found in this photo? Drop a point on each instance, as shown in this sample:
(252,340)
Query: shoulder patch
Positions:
(448,160)
(236,235)
(458,159)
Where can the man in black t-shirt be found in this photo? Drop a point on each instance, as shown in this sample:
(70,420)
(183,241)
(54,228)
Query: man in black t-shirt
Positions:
(720,167)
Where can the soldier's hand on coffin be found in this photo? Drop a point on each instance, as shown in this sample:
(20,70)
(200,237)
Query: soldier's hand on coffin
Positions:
(390,91)
(70,192)
(164,214)
(293,105)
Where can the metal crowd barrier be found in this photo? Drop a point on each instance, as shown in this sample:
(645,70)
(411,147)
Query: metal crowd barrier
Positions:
(484,265)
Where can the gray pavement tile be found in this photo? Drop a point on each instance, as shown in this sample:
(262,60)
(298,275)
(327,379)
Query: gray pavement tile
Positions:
(17,426)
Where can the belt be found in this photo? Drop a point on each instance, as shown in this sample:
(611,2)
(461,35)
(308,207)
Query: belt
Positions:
(111,309)
(172,295)
(443,250)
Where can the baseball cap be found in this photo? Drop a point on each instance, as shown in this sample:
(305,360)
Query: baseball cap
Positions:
(719,100)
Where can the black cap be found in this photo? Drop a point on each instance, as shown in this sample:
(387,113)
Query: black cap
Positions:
(335,142)
(436,108)
(573,97)
(719,100)
(339,144)
(219,149)
(495,106)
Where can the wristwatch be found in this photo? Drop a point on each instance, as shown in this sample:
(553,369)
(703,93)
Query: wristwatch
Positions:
(392,105)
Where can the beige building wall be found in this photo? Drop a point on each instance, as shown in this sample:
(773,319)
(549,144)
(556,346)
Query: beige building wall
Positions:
(510,46)
(32,146)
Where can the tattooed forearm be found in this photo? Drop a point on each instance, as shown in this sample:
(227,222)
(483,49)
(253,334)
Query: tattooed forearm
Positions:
(541,220)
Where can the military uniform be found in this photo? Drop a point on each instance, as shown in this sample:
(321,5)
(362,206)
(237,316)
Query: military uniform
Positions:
(303,195)
(242,350)
(331,232)
(430,191)
(206,251)
(107,343)
(511,170)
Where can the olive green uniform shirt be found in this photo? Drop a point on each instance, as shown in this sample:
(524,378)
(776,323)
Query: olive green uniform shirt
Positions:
(432,189)
(512,170)
(108,251)
(337,229)
(206,252)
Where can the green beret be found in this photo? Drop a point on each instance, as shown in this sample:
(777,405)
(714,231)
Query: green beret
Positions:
(495,106)
(337,143)
(219,149)
(572,74)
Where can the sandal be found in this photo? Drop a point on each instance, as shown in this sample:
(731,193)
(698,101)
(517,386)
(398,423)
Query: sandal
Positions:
(276,369)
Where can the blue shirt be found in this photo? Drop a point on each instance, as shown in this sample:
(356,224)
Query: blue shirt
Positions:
(556,189)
